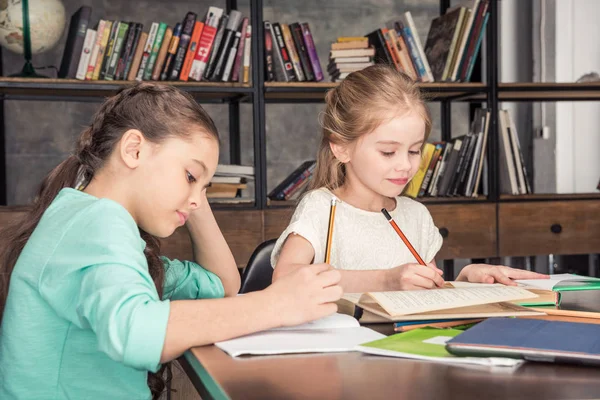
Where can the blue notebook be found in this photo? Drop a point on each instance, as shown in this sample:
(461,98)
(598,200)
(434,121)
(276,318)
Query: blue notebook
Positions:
(530,339)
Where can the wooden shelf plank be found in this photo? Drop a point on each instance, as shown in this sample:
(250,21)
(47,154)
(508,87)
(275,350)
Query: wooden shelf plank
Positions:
(548,91)
(55,88)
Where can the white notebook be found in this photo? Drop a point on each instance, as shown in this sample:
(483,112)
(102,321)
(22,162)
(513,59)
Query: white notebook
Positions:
(335,333)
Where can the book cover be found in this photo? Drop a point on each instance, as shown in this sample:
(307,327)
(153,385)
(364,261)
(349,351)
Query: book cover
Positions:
(441,34)
(109,49)
(160,35)
(296,31)
(239,55)
(95,50)
(162,54)
(184,41)
(216,47)
(312,52)
(147,50)
(292,51)
(116,51)
(137,56)
(191,51)
(86,52)
(171,51)
(211,22)
(106,32)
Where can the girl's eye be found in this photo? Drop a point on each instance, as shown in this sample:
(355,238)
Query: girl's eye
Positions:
(190,177)
(415,153)
(387,153)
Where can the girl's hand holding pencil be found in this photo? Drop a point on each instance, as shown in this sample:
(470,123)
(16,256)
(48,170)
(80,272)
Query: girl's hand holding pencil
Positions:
(304,295)
(414,277)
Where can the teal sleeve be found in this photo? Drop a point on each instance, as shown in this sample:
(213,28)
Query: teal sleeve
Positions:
(98,279)
(187,280)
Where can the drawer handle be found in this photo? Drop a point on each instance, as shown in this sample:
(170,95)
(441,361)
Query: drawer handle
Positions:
(444,232)
(556,228)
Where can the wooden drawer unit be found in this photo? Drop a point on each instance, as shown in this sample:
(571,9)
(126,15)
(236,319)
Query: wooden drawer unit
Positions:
(469,230)
(549,227)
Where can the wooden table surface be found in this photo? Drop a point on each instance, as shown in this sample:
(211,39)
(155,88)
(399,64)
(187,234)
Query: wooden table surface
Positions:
(360,376)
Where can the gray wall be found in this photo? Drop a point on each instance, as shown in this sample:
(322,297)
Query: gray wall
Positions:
(39,134)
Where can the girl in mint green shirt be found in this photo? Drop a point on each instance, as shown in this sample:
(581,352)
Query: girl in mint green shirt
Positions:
(90,310)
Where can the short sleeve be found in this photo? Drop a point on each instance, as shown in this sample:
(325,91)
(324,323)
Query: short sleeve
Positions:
(310,221)
(186,280)
(432,238)
(98,279)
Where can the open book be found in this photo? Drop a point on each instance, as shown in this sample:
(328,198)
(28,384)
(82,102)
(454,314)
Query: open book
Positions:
(470,301)
(335,333)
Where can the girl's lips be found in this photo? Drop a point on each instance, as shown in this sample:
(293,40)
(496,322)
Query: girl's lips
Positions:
(182,217)
(401,181)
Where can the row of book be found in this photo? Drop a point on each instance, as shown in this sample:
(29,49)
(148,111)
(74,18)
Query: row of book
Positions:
(349,54)
(451,48)
(456,167)
(290,53)
(459,167)
(216,49)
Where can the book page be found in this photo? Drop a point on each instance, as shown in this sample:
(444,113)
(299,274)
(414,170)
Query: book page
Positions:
(554,280)
(336,320)
(418,301)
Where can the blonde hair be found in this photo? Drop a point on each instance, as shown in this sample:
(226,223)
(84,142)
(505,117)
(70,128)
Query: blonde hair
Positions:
(362,102)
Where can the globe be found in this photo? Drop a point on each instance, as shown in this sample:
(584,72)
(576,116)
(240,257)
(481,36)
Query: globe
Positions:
(46,21)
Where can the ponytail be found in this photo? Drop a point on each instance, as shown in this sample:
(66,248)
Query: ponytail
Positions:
(15,235)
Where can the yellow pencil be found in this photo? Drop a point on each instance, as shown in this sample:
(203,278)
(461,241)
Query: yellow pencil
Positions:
(330,230)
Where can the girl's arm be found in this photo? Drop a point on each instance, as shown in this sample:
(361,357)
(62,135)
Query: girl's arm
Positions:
(299,297)
(210,248)
(297,252)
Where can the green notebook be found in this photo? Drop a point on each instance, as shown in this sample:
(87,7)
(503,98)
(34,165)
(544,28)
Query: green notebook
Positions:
(560,284)
(428,344)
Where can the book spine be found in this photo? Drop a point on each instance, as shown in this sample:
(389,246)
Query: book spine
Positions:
(415,34)
(75,39)
(291,47)
(312,52)
(191,52)
(109,49)
(232,56)
(162,54)
(288,68)
(116,51)
(160,35)
(296,31)
(269,66)
(137,31)
(86,52)
(171,51)
(414,52)
(137,57)
(184,41)
(233,24)
(147,51)
(216,47)
(89,75)
(245,77)
(473,56)
(132,34)
(102,50)
(207,38)
(235,72)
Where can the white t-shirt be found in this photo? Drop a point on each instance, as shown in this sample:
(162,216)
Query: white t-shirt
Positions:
(362,239)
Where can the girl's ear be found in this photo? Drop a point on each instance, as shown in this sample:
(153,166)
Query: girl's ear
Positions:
(341,152)
(130,147)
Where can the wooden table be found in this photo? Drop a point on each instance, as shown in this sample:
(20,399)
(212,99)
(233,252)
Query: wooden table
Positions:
(351,375)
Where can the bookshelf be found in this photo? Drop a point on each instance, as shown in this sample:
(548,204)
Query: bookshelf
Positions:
(475,228)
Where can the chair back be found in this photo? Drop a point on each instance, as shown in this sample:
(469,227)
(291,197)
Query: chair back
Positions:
(258,273)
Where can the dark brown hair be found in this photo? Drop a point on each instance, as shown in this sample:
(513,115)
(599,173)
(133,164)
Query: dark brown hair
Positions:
(158,111)
(356,107)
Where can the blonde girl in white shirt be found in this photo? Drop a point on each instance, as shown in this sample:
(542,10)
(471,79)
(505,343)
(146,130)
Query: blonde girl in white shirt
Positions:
(374,127)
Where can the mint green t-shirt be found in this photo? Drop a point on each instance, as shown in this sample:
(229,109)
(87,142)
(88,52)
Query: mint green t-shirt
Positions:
(83,319)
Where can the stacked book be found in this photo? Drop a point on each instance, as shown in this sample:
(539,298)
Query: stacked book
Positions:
(347,55)
(214,48)
(290,53)
(229,184)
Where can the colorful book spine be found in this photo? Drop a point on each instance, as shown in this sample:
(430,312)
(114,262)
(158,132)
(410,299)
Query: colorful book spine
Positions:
(231,59)
(108,25)
(296,30)
(245,77)
(128,60)
(162,54)
(160,35)
(184,41)
(171,51)
(147,50)
(117,50)
(312,52)
(292,51)
(137,56)
(95,50)
(109,49)
(191,52)
(128,51)
(86,52)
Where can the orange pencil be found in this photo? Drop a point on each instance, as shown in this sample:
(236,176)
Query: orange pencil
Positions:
(404,239)
(330,230)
